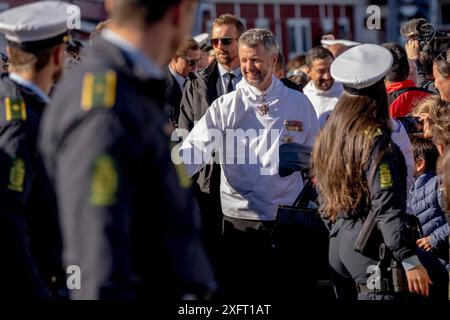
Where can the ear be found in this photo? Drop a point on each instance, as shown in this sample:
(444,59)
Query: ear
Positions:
(274,59)
(58,55)
(420,164)
(8,51)
(441,149)
(175,13)
(109,6)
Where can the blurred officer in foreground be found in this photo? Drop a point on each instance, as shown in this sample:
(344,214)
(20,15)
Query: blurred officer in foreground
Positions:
(361,174)
(127,219)
(36,34)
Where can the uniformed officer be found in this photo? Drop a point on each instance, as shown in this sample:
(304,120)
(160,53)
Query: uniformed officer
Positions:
(30,239)
(359,170)
(128,220)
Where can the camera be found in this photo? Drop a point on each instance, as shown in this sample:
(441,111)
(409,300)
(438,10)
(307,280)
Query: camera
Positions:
(430,40)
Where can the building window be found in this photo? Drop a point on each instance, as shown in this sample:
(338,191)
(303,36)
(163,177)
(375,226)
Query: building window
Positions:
(262,23)
(344,27)
(299,36)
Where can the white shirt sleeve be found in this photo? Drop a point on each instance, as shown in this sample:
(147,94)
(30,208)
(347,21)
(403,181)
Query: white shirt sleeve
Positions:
(205,138)
(314,123)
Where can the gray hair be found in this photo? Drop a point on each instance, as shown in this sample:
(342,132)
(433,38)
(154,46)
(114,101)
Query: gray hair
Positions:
(254,37)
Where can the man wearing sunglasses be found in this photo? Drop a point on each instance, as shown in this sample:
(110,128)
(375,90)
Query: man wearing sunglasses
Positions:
(184,61)
(203,87)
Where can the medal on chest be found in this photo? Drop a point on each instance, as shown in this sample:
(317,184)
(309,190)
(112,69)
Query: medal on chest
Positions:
(263,108)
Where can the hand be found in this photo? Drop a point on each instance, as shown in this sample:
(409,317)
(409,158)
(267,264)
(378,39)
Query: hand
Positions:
(412,49)
(418,281)
(425,243)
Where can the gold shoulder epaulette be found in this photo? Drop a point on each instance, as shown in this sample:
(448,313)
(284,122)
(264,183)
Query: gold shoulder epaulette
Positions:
(15,109)
(99,90)
(373,134)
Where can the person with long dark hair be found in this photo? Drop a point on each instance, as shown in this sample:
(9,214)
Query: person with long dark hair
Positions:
(360,172)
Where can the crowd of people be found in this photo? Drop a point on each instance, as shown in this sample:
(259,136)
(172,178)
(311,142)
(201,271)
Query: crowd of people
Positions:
(154,161)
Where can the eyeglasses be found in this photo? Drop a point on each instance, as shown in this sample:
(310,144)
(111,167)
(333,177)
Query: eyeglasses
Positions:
(224,41)
(191,62)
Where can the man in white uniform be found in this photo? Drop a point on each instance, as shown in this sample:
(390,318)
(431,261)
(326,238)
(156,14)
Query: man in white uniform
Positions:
(322,90)
(251,123)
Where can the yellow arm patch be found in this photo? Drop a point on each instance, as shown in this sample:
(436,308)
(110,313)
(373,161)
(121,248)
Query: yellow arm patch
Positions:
(99,90)
(104,182)
(183,178)
(15,109)
(17,175)
(385,176)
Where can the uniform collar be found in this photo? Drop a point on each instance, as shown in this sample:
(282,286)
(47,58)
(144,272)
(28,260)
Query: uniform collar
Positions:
(145,66)
(30,86)
(253,91)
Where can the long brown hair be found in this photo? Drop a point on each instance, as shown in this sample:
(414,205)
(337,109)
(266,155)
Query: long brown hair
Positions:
(343,148)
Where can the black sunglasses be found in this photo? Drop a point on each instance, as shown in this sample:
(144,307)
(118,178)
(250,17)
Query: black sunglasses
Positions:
(191,62)
(224,41)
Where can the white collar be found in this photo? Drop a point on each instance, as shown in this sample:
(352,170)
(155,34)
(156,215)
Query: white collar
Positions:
(149,67)
(223,71)
(256,92)
(30,85)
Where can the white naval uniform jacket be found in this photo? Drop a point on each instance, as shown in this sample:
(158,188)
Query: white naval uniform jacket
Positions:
(250,185)
(323,101)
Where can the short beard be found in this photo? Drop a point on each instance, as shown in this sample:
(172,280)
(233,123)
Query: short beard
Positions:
(254,83)
(224,60)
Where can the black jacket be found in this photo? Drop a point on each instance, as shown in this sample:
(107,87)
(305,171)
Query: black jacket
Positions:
(19,123)
(386,182)
(127,215)
(202,88)
(173,96)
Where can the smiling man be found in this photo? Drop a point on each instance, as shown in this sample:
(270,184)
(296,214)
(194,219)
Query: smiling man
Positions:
(322,90)
(252,122)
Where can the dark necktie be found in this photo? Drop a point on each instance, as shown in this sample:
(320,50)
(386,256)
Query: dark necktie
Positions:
(230,82)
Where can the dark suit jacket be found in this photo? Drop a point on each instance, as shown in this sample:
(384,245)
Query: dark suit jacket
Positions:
(173,96)
(202,88)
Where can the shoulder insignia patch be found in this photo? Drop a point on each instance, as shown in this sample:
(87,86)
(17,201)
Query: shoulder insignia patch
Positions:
(385,176)
(104,182)
(17,175)
(15,109)
(99,90)
(374,134)
(183,178)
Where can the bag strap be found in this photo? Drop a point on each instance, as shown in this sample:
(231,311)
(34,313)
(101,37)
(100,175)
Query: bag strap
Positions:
(305,194)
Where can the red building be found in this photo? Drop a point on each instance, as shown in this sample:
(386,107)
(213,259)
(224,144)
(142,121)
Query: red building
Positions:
(298,24)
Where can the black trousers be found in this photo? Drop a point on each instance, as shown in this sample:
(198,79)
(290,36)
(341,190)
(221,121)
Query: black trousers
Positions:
(249,263)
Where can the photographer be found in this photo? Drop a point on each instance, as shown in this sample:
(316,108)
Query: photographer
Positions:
(424,43)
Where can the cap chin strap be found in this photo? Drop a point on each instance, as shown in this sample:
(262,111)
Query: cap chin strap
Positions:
(367,91)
